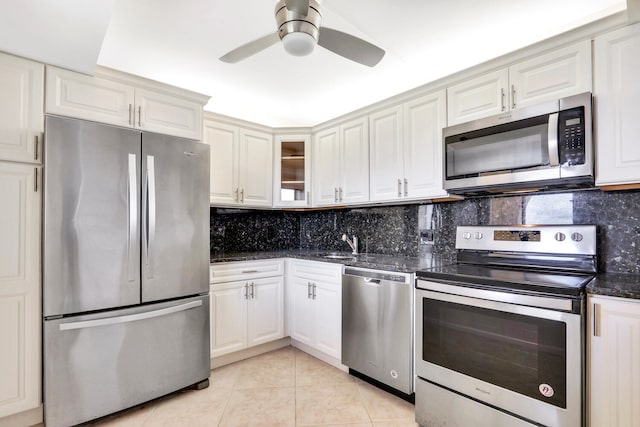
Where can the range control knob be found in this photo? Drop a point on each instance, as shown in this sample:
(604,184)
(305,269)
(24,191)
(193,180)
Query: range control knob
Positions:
(560,236)
(466,235)
(576,237)
(478,235)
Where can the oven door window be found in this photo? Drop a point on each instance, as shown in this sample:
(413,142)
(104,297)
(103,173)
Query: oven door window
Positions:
(520,353)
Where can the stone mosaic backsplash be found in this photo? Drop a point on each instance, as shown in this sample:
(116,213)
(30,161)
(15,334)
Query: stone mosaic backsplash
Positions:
(418,230)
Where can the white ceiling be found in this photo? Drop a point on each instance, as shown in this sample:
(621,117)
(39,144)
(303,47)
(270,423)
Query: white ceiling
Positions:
(179,42)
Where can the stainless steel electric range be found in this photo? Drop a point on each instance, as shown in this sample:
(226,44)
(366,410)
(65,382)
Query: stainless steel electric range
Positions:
(500,334)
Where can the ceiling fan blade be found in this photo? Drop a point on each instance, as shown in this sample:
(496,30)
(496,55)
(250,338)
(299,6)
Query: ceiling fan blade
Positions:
(300,7)
(251,48)
(350,47)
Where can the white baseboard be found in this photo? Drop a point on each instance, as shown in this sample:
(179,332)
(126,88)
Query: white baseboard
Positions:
(28,418)
(319,355)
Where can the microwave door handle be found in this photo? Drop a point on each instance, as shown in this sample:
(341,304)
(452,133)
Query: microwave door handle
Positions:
(552,140)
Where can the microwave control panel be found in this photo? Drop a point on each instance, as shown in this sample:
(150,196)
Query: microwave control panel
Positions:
(571,137)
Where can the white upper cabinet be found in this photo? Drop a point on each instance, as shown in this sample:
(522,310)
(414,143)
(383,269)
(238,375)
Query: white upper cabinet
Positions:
(105,99)
(406,150)
(292,170)
(20,302)
(550,76)
(340,171)
(241,165)
(617,110)
(21,116)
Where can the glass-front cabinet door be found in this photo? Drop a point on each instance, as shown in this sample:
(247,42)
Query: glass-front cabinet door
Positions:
(292,170)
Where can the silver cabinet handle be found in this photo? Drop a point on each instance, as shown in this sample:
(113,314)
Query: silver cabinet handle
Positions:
(502,107)
(35,180)
(242,196)
(249,271)
(552,140)
(406,187)
(35,148)
(335,194)
(132,193)
(596,331)
(313,293)
(129,318)
(308,198)
(340,193)
(139,116)
(151,213)
(236,198)
(246,291)
(253,290)
(130,107)
(399,187)
(309,290)
(513,96)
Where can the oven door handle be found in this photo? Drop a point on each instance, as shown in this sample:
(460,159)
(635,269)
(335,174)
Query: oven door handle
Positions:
(447,292)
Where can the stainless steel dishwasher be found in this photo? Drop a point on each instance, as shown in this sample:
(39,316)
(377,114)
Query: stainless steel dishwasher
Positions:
(377,326)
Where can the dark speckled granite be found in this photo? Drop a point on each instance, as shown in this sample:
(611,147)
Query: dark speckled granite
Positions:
(616,285)
(423,231)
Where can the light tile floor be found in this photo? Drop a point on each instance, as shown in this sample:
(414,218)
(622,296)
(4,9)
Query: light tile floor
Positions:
(286,387)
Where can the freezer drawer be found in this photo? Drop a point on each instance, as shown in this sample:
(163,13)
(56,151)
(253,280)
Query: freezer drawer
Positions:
(98,364)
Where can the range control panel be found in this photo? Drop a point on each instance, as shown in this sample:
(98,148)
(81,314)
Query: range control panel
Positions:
(552,239)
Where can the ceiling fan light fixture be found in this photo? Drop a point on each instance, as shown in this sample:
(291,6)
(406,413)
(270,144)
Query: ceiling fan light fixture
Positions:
(298,43)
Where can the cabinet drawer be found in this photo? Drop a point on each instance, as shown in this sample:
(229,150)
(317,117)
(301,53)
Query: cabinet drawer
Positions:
(316,270)
(245,270)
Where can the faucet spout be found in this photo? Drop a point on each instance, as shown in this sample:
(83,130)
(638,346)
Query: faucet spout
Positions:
(352,243)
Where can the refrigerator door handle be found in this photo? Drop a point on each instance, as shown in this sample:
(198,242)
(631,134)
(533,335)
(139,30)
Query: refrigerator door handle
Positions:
(132,191)
(151,214)
(129,318)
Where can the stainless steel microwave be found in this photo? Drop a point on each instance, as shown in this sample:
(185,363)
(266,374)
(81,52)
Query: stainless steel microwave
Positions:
(541,147)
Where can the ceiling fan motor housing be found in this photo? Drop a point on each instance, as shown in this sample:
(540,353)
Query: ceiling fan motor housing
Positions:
(291,22)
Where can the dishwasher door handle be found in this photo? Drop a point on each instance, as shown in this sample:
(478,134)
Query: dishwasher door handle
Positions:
(370,281)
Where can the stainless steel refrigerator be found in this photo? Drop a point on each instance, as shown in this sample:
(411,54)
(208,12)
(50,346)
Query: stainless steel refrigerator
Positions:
(125,268)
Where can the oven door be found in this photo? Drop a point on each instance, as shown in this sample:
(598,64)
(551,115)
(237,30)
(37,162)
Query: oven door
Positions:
(521,359)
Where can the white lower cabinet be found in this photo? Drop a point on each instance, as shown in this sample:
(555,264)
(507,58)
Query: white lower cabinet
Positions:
(247,312)
(20,313)
(614,362)
(316,306)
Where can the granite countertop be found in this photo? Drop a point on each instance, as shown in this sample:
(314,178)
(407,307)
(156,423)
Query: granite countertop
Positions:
(398,263)
(622,285)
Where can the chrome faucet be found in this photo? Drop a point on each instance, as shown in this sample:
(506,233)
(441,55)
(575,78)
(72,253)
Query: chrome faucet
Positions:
(353,243)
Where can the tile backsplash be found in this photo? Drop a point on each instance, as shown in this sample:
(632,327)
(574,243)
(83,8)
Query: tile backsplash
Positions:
(421,229)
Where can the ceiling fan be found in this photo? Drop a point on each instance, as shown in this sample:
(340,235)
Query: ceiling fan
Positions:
(299,30)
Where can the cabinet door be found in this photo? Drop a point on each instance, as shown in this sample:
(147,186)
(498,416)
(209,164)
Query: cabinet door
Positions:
(354,161)
(302,314)
(86,97)
(20,305)
(21,104)
(480,97)
(255,168)
(386,159)
(266,310)
(614,366)
(617,61)
(326,167)
(328,318)
(228,317)
(168,114)
(560,73)
(424,119)
(292,171)
(223,141)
